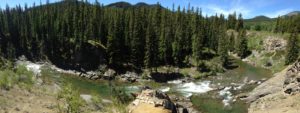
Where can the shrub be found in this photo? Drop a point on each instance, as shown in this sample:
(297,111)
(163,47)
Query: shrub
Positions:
(23,76)
(7,79)
(72,99)
(96,98)
(120,95)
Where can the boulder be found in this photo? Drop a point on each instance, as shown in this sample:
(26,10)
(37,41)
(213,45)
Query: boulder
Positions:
(274,43)
(271,86)
(292,80)
(152,101)
(109,74)
(129,76)
(95,77)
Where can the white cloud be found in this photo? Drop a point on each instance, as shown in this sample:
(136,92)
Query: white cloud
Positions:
(238,9)
(237,6)
(279,13)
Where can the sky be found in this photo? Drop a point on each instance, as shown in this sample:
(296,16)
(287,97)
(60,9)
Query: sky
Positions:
(248,8)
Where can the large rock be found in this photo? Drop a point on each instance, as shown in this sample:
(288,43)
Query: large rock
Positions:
(279,94)
(152,101)
(292,80)
(274,43)
(109,74)
(273,85)
(130,76)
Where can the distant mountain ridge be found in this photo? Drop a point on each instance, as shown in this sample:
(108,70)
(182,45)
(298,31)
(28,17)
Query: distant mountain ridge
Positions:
(259,18)
(265,18)
(123,4)
(294,13)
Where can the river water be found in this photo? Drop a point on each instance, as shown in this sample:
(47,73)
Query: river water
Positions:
(214,94)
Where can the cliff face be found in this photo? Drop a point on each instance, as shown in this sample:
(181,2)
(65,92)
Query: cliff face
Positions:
(279,94)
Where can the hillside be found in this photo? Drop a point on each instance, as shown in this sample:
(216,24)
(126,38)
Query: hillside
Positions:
(258,19)
(128,5)
(294,13)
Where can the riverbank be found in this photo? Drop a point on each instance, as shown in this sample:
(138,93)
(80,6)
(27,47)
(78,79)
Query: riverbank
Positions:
(279,94)
(199,95)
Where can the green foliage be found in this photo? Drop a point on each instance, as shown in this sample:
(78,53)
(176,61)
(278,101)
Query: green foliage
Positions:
(292,48)
(20,76)
(287,24)
(72,99)
(120,95)
(96,98)
(223,47)
(240,24)
(231,42)
(78,34)
(208,68)
(7,79)
(242,44)
(24,76)
(257,28)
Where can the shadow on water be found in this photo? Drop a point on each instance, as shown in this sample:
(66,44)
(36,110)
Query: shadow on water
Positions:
(86,86)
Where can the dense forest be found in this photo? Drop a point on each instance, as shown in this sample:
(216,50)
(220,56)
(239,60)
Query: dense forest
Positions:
(74,34)
(287,24)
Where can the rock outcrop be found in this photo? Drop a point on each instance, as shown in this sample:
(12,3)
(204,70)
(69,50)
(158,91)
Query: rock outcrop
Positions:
(270,86)
(273,44)
(292,80)
(279,94)
(129,76)
(154,101)
(109,74)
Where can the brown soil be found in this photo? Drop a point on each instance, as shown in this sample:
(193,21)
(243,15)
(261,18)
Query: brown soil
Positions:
(149,108)
(276,103)
(17,100)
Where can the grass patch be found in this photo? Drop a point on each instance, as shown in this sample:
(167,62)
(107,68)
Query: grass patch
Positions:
(20,76)
(71,98)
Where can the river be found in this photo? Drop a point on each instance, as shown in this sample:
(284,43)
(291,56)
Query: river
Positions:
(214,94)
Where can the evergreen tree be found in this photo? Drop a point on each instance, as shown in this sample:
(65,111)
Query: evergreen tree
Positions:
(80,34)
(151,50)
(223,47)
(231,21)
(292,48)
(240,24)
(242,47)
(231,42)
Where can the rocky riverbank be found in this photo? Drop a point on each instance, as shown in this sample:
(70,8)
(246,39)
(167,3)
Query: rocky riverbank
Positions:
(279,94)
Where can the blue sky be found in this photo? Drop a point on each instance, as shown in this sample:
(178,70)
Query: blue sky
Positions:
(249,8)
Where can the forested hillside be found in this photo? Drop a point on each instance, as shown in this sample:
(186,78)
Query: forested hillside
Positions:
(73,34)
(287,24)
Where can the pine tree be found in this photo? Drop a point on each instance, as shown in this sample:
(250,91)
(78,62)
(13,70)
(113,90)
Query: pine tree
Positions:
(223,47)
(231,21)
(137,44)
(240,24)
(151,49)
(231,42)
(292,48)
(197,38)
(242,47)
(72,32)
(276,29)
